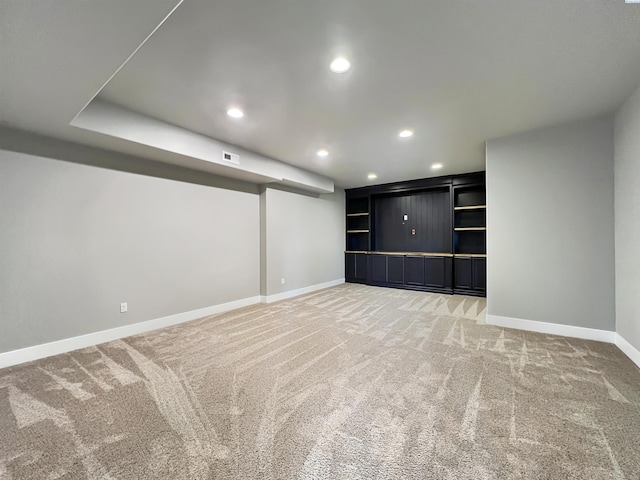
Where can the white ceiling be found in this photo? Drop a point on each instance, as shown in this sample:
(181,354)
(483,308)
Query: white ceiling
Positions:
(458,72)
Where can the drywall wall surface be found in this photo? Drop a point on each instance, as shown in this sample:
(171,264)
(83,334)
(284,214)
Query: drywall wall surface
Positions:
(627,219)
(77,240)
(550,229)
(263,241)
(304,239)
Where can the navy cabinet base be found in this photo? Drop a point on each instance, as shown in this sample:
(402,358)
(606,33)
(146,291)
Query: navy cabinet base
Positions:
(356,267)
(412,272)
(470,276)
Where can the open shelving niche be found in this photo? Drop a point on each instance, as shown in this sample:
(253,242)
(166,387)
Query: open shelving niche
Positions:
(358,239)
(469,239)
(358,225)
(470,223)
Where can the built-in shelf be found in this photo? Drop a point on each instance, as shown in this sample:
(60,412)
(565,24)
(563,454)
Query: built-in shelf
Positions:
(357,214)
(414,254)
(470,243)
(358,226)
(472,207)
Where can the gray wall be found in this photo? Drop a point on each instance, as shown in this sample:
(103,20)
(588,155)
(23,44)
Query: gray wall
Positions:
(305,238)
(550,228)
(627,216)
(77,240)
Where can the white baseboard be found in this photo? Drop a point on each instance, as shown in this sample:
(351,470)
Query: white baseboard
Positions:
(36,352)
(28,354)
(300,291)
(628,349)
(552,328)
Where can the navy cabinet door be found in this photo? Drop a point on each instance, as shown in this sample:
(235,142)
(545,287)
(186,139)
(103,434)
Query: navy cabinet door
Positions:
(462,274)
(395,269)
(350,266)
(414,270)
(378,265)
(479,274)
(361,267)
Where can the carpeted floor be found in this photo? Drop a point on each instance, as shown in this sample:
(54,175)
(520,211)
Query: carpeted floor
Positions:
(352,382)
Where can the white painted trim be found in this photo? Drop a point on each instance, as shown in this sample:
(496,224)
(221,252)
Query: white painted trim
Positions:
(300,291)
(552,328)
(36,352)
(628,349)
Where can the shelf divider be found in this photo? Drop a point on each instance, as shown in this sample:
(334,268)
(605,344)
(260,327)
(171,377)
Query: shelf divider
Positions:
(470,207)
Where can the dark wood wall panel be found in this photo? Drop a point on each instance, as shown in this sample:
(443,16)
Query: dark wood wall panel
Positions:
(429,214)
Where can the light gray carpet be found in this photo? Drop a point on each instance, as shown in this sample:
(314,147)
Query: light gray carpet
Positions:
(352,382)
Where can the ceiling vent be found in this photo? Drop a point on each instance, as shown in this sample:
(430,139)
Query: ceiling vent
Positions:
(231,157)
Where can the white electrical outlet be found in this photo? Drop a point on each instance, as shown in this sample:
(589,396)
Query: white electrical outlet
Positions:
(123,307)
(282,281)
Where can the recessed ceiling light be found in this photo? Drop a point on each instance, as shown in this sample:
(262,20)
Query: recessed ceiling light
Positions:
(340,65)
(436,166)
(322,153)
(406,134)
(372,176)
(235,113)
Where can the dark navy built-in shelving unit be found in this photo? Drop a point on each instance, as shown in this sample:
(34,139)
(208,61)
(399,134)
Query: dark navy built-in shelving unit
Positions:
(427,234)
